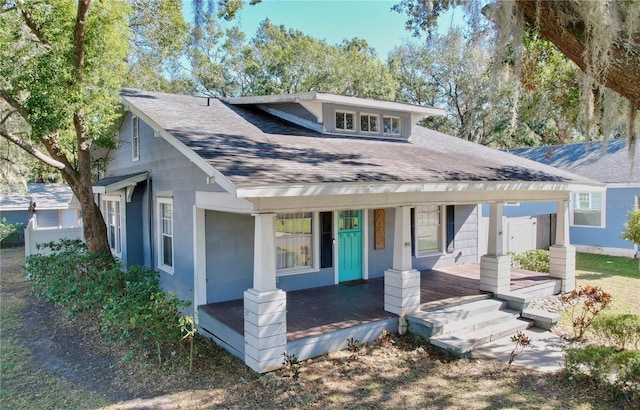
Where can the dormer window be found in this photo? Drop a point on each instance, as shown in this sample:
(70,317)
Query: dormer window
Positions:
(391,125)
(345,121)
(369,123)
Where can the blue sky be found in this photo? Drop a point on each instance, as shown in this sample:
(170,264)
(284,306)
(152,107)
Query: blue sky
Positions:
(331,20)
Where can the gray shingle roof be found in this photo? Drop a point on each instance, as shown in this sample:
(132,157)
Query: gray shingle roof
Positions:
(251,147)
(46,196)
(610,163)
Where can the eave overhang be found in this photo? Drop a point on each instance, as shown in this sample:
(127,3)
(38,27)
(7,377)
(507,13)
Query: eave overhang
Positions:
(301,98)
(113,184)
(554,188)
(213,175)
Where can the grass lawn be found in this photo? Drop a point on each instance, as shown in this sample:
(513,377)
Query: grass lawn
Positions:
(616,275)
(83,371)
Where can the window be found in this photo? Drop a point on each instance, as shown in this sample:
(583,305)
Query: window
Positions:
(294,240)
(344,121)
(390,125)
(111,213)
(587,209)
(135,139)
(369,123)
(165,233)
(428,231)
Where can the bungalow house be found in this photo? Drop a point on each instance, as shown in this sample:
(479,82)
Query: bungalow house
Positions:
(49,208)
(596,219)
(255,208)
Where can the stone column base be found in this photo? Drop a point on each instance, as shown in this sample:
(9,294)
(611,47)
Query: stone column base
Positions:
(495,273)
(401,293)
(265,329)
(562,265)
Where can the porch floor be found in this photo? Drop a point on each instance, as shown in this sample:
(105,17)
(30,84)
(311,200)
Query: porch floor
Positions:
(312,312)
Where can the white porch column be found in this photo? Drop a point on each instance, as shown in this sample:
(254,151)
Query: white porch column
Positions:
(265,306)
(495,266)
(402,282)
(199,260)
(562,256)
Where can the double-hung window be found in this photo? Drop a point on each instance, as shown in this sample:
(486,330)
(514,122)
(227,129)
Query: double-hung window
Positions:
(135,138)
(428,229)
(111,213)
(165,234)
(345,121)
(369,123)
(588,209)
(294,241)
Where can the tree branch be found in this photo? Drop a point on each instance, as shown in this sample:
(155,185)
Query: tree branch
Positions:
(79,34)
(624,71)
(15,104)
(35,28)
(32,150)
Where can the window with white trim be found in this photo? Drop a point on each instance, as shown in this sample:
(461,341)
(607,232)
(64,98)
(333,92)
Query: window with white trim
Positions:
(165,234)
(135,138)
(390,125)
(588,209)
(428,229)
(369,123)
(294,241)
(345,121)
(113,220)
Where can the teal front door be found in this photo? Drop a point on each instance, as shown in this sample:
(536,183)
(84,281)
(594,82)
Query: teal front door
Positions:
(349,245)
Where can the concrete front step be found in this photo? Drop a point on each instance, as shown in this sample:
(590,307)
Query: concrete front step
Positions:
(520,299)
(468,317)
(460,344)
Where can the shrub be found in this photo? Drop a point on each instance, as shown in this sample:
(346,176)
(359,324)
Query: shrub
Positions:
(608,367)
(129,305)
(536,260)
(582,305)
(11,233)
(621,330)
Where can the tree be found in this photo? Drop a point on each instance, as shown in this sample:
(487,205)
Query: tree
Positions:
(280,61)
(61,64)
(601,37)
(632,229)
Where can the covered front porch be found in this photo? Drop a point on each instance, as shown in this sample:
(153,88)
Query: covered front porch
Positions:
(320,320)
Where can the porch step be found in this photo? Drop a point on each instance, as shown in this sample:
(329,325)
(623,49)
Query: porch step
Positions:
(520,299)
(459,329)
(461,344)
(447,319)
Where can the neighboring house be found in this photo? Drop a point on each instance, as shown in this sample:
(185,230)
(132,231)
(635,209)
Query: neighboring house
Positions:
(596,218)
(53,205)
(248,199)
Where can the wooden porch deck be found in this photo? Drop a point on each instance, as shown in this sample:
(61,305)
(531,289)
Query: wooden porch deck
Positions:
(313,312)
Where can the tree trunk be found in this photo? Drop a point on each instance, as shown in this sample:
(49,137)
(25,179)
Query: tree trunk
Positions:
(570,38)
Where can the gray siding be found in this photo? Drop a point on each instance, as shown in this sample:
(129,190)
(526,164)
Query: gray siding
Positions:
(173,174)
(381,259)
(229,250)
(465,242)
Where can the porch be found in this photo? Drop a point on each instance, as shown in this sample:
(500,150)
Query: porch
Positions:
(320,320)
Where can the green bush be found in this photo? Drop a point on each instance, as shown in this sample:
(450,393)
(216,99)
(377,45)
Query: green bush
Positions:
(129,304)
(616,370)
(536,260)
(11,234)
(621,330)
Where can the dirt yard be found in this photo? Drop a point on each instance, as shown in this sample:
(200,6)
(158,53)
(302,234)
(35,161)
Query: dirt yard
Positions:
(52,361)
